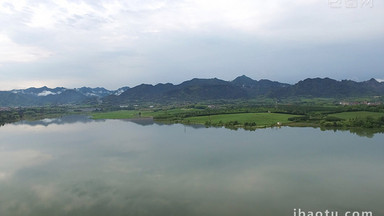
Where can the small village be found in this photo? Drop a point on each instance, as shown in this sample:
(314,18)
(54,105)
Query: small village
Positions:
(355,103)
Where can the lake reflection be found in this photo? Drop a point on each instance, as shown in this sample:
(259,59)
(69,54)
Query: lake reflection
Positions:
(115,167)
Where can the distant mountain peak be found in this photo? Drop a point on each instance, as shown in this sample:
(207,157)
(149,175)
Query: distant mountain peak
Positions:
(327,87)
(243,80)
(197,89)
(373,80)
(120,90)
(201,81)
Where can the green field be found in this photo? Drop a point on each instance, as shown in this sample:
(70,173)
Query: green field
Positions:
(246,120)
(128,114)
(358,115)
(122,114)
(261,119)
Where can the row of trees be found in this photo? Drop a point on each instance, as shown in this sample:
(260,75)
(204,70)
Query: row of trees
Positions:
(17,114)
(9,117)
(368,122)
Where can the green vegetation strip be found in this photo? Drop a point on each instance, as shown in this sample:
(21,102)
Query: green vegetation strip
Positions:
(121,114)
(129,114)
(236,118)
(357,115)
(261,119)
(255,119)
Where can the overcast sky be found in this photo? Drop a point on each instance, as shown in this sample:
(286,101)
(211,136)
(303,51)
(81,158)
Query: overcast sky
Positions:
(111,43)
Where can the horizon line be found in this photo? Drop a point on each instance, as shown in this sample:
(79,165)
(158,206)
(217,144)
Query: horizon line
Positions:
(377,79)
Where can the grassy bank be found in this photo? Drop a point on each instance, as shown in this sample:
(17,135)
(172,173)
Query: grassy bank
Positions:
(248,119)
(194,116)
(357,115)
(258,117)
(129,114)
(121,114)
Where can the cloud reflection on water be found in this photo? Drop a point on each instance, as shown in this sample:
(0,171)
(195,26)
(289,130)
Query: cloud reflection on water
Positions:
(121,168)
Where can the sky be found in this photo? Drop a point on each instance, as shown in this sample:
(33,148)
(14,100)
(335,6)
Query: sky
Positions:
(115,43)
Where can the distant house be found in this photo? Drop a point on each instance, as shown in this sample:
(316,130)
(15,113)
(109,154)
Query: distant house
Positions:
(346,103)
(5,108)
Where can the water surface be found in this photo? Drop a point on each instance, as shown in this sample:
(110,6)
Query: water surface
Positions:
(76,166)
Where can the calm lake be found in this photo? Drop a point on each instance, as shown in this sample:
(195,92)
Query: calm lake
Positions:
(77,166)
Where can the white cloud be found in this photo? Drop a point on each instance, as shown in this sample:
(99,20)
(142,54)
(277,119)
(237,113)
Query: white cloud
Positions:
(90,39)
(46,192)
(41,16)
(12,161)
(13,52)
(45,93)
(119,23)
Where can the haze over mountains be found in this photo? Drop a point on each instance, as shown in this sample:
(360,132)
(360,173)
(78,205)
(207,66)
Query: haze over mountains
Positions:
(56,96)
(193,90)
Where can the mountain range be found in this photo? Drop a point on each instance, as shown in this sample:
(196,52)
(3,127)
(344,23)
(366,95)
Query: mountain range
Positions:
(55,96)
(193,90)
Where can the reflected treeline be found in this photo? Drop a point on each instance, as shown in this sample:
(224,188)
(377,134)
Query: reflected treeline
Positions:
(141,121)
(149,121)
(362,132)
(66,119)
(71,119)
(10,115)
(3,122)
